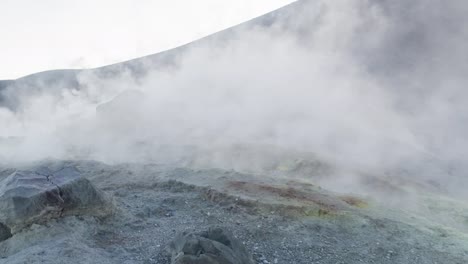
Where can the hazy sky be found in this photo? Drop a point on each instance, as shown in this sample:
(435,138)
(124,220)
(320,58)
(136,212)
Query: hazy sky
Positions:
(50,34)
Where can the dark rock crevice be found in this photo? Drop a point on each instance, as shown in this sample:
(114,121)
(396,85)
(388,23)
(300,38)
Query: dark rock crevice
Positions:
(59,197)
(5,232)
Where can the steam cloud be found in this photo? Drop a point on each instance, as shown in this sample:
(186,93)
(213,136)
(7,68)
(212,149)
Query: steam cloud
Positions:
(366,84)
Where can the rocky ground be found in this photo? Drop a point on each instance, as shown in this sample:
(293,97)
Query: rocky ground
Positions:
(278,221)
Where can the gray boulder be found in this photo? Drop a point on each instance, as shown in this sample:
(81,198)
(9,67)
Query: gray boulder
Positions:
(28,197)
(215,246)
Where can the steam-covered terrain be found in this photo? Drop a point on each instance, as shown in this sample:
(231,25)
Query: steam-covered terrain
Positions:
(323,132)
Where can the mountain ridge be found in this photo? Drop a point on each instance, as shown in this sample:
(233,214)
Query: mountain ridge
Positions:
(265,20)
(137,67)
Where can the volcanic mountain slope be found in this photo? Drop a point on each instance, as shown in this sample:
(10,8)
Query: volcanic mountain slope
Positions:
(394,69)
(411,34)
(277,165)
(54,81)
(412,58)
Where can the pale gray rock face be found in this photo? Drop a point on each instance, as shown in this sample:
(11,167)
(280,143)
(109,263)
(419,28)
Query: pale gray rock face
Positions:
(29,197)
(215,246)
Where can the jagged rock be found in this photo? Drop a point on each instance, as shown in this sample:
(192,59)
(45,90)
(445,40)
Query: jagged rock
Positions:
(5,232)
(215,246)
(28,197)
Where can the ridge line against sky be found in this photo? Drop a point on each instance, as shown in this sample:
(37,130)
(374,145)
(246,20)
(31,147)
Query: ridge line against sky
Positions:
(89,34)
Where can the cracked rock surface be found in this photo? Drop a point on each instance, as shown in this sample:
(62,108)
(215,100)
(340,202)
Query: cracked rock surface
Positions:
(34,197)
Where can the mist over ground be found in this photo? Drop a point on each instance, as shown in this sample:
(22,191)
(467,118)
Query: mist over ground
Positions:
(367,85)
